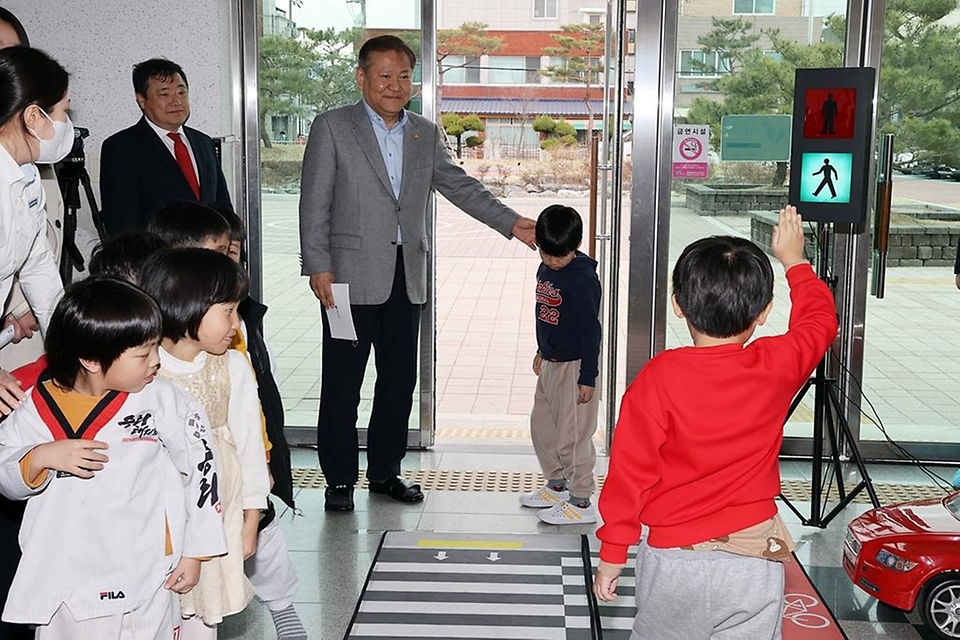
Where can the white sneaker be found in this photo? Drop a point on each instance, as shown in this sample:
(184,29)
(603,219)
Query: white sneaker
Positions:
(566,513)
(546,497)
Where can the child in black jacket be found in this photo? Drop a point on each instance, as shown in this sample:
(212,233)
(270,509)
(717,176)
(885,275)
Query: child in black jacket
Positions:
(564,416)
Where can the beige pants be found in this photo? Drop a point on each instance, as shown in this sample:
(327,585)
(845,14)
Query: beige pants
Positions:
(562,430)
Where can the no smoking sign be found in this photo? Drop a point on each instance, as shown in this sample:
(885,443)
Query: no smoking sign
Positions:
(691,149)
(690,143)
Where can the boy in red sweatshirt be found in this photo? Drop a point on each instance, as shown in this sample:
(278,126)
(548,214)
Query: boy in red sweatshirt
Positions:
(694,455)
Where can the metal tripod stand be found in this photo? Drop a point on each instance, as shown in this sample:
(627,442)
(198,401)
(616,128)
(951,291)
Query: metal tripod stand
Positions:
(71,175)
(828,417)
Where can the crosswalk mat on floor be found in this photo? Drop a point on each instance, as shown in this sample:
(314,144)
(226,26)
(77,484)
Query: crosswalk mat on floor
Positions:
(523,587)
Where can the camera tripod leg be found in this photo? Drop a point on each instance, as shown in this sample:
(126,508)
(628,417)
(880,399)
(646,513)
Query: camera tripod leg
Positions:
(847,436)
(837,438)
(833,418)
(828,417)
(92,201)
(816,469)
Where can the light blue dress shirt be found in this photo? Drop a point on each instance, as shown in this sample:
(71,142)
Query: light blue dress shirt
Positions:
(391,148)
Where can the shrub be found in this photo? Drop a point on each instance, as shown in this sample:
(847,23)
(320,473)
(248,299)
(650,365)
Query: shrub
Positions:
(544,124)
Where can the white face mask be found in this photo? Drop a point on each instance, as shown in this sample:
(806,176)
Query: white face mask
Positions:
(56,149)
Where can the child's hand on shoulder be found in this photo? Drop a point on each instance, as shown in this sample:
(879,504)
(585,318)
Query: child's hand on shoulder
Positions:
(585,394)
(184,577)
(787,242)
(80,458)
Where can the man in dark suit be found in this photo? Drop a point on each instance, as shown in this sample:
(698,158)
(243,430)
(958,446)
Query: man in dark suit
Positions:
(158,160)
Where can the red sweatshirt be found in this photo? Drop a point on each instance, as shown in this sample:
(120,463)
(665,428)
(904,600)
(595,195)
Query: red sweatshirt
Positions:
(694,455)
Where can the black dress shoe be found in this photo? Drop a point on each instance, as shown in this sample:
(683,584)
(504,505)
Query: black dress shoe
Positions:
(338,498)
(398,489)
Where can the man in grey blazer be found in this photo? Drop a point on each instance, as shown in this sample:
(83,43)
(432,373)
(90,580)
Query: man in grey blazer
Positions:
(368,171)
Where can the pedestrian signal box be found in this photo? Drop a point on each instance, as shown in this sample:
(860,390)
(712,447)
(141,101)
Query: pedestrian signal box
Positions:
(830,166)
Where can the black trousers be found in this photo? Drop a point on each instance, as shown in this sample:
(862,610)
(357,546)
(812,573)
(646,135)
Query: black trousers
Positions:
(392,329)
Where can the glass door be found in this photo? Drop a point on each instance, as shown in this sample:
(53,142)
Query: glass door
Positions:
(713,94)
(522,89)
(304,60)
(909,373)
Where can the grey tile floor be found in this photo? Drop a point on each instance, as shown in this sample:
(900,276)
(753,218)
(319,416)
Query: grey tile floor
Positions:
(333,552)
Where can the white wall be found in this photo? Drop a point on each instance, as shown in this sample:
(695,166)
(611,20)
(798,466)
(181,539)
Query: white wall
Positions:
(99,41)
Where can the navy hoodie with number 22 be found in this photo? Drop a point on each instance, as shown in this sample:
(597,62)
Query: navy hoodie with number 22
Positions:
(568,315)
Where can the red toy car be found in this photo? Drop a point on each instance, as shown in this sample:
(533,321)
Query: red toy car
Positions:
(908,555)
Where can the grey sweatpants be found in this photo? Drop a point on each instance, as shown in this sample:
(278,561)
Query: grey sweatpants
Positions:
(694,595)
(562,430)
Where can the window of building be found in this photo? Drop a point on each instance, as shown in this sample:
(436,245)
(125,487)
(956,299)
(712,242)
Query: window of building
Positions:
(776,56)
(825,7)
(754,7)
(695,63)
(547,9)
(508,70)
(592,16)
(461,70)
(580,64)
(533,70)
(511,137)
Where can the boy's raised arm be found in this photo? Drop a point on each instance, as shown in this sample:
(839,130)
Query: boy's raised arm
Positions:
(813,312)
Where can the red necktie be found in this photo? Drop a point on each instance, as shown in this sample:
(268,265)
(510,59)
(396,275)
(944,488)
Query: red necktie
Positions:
(186,166)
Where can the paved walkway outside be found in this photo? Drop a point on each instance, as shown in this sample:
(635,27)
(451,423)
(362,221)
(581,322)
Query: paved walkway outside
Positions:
(486,337)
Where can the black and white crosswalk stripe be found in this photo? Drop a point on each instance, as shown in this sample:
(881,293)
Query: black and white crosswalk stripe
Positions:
(527,588)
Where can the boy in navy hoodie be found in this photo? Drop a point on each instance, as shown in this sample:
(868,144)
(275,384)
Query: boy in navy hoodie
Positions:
(564,416)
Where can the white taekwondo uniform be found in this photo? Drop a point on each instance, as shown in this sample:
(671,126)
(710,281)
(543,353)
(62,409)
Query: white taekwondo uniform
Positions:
(98,546)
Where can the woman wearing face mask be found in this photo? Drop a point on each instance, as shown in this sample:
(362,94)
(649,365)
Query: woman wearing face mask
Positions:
(34,127)
(28,343)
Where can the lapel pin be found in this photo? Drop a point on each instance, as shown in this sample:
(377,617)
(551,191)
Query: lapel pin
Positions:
(416,136)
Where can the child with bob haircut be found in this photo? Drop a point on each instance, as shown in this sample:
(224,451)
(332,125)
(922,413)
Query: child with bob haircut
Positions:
(108,544)
(694,454)
(198,292)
